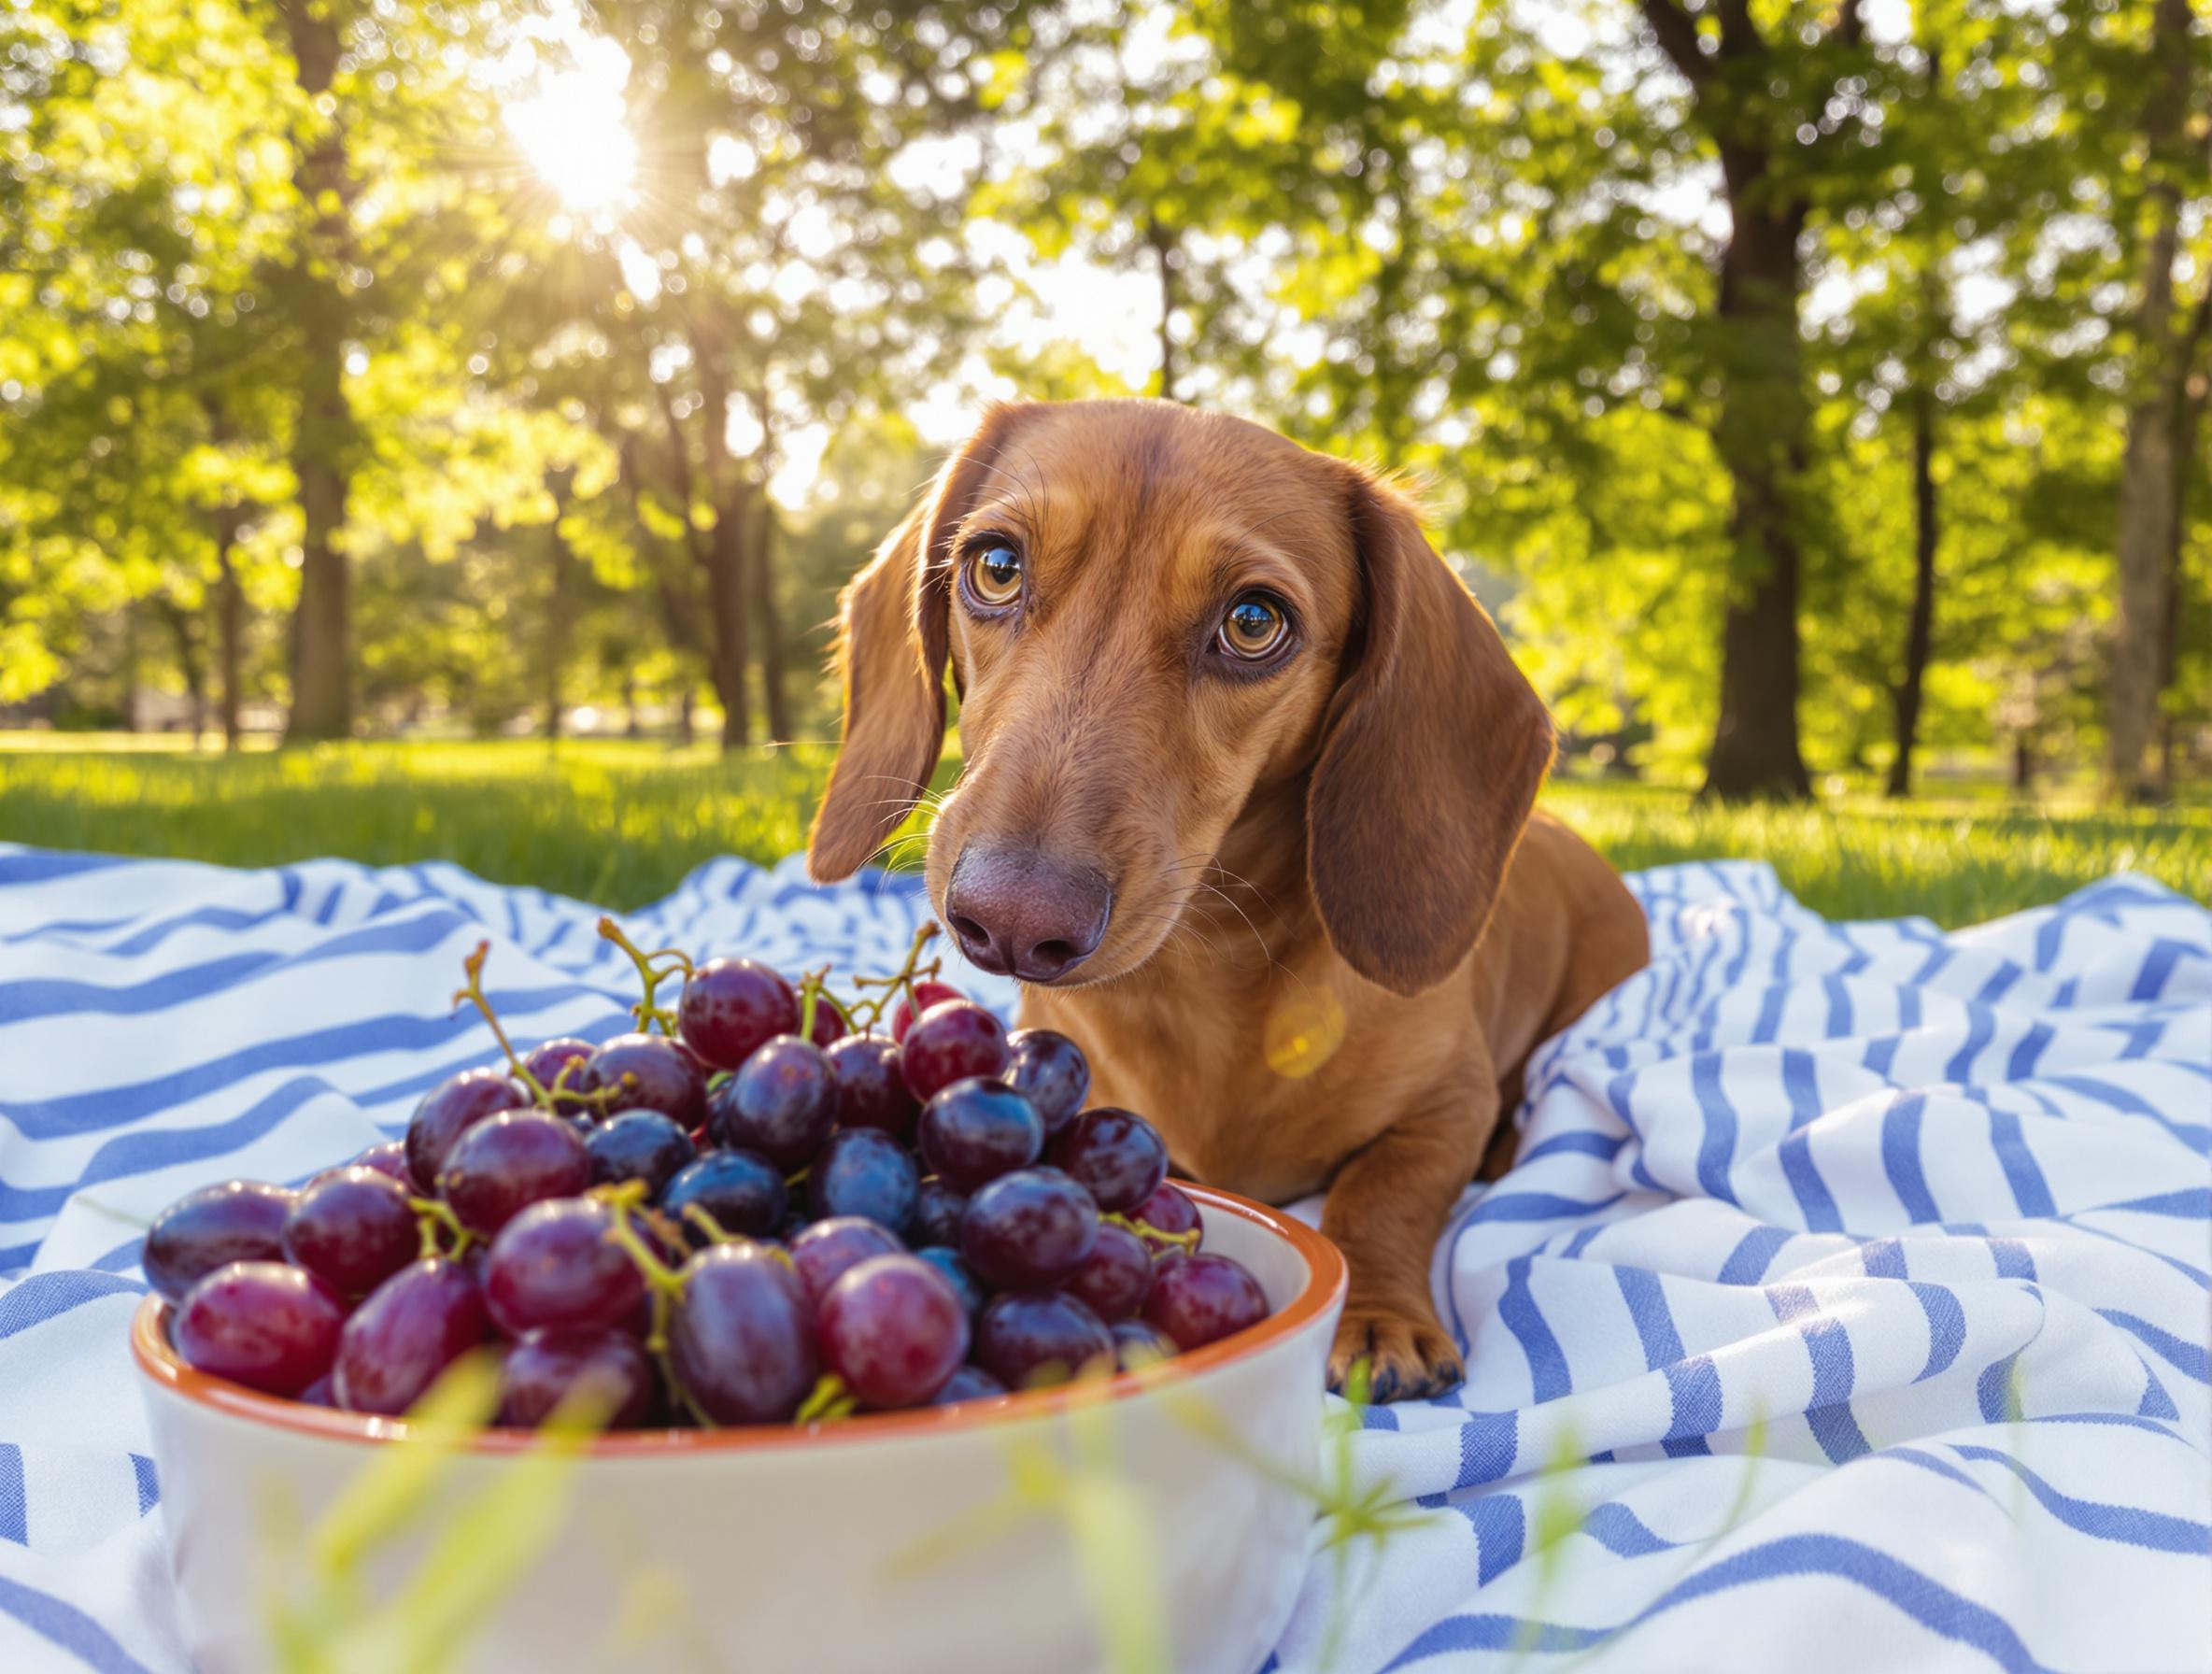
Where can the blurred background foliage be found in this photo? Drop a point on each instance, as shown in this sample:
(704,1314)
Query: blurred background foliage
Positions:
(1815,389)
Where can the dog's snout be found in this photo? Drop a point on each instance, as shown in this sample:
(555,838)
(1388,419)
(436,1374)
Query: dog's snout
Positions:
(1022,915)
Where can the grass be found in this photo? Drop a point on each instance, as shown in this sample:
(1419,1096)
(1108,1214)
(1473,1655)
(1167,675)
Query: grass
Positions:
(619,823)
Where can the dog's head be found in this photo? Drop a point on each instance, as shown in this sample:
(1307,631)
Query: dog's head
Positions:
(1156,619)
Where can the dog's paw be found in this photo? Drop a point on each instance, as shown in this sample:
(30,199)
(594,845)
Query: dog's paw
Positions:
(1407,1359)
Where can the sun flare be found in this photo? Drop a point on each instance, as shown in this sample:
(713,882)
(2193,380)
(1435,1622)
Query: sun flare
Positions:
(571,130)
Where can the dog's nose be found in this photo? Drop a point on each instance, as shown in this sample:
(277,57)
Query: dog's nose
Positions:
(1020,914)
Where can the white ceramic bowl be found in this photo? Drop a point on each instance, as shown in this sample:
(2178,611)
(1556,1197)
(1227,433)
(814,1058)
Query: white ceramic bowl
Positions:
(859,1546)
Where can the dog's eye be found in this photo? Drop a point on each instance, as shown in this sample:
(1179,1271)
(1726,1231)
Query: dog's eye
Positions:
(994,574)
(1253,628)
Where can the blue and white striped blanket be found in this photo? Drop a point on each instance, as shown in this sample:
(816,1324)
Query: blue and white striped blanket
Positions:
(1849,1307)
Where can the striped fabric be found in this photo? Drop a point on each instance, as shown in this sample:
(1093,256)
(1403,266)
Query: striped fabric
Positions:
(1850,1306)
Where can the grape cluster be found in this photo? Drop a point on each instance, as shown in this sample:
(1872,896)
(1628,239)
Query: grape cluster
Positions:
(755,1209)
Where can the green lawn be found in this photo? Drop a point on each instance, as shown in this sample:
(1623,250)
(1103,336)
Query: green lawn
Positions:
(621,823)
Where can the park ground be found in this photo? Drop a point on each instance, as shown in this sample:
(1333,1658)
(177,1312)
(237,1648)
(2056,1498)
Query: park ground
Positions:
(619,823)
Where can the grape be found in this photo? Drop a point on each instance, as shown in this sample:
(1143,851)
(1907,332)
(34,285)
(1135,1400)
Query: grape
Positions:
(639,1145)
(241,1220)
(607,1372)
(778,1104)
(957,1274)
(653,1072)
(547,1060)
(741,1340)
(937,1211)
(1168,1209)
(926,994)
(459,1102)
(1198,1299)
(318,1394)
(741,1191)
(391,1158)
(1029,1340)
(825,1251)
(1029,1230)
(352,1228)
(864,1171)
(263,1324)
(1048,1069)
(975,1130)
(731,1008)
(871,1092)
(1115,1277)
(967,1384)
(499,1168)
(1119,1158)
(951,1042)
(556,1264)
(415,1324)
(1138,1345)
(894,1330)
(829,1028)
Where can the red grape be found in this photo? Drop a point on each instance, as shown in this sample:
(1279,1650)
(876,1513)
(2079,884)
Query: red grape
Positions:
(1048,1069)
(824,1252)
(975,1130)
(871,1092)
(741,1192)
(893,1330)
(415,1324)
(391,1158)
(1138,1345)
(1169,1211)
(829,1028)
(549,1059)
(1119,1158)
(948,1042)
(1198,1299)
(454,1104)
(499,1168)
(967,1384)
(640,1144)
(352,1228)
(264,1324)
(556,1264)
(864,1171)
(652,1073)
(741,1340)
(241,1220)
(926,994)
(1029,1340)
(778,1104)
(1115,1277)
(937,1211)
(1029,1230)
(731,1008)
(607,1372)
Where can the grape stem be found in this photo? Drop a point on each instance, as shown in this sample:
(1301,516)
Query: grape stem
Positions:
(826,1402)
(473,991)
(900,985)
(651,976)
(433,1216)
(1185,1241)
(663,1284)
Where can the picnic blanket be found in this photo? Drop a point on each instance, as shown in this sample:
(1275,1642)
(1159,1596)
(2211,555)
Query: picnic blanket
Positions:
(1848,1308)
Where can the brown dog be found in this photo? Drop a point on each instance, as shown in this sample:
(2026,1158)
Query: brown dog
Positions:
(1246,807)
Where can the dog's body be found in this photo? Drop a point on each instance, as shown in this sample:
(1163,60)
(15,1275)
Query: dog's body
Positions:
(1246,803)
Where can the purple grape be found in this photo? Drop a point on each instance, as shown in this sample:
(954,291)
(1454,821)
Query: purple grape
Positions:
(547,1060)
(927,993)
(958,1274)
(894,1330)
(1119,1158)
(741,1192)
(731,1008)
(829,1028)
(948,1042)
(556,1264)
(240,1220)
(447,1109)
(1198,1299)
(976,1130)
(937,1211)
(353,1229)
(499,1168)
(607,1371)
(741,1340)
(652,1073)
(870,1090)
(1048,1069)
(967,1384)
(1138,1345)
(264,1324)
(864,1171)
(1030,1340)
(318,1394)
(1029,1230)
(391,1158)
(828,1249)
(1168,1210)
(1115,1277)
(640,1144)
(414,1325)
(778,1104)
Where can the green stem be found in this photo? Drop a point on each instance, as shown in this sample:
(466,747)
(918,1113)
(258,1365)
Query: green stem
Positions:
(473,991)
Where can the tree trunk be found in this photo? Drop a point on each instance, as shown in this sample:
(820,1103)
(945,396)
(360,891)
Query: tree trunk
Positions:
(1162,241)
(1920,626)
(2144,534)
(130,703)
(768,625)
(189,660)
(2023,763)
(556,631)
(230,609)
(2195,393)
(721,553)
(314,301)
(1760,438)
(686,729)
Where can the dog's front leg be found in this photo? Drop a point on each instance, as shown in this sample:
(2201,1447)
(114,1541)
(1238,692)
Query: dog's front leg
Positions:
(1386,1210)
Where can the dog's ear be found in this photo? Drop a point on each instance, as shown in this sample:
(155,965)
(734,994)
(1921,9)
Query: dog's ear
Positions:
(891,645)
(1431,756)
